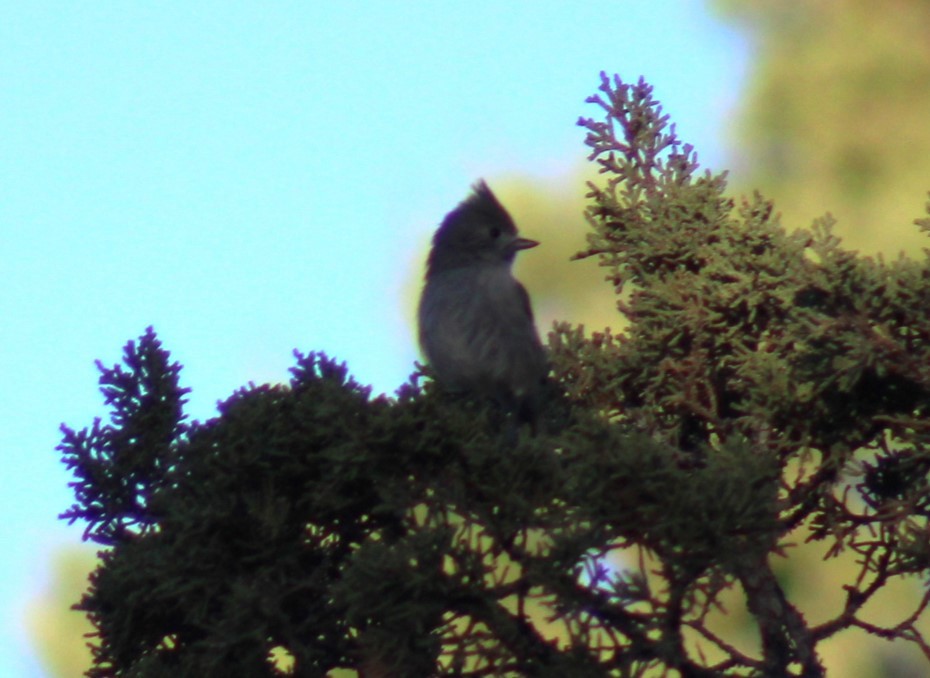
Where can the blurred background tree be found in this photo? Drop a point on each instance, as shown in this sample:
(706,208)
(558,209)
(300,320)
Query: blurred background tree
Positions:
(58,632)
(835,114)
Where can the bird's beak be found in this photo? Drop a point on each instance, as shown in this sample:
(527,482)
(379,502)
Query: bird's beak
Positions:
(523,244)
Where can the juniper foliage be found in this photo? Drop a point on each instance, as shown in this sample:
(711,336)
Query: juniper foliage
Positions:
(768,384)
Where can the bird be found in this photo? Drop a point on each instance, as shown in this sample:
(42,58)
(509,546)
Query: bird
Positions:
(476,326)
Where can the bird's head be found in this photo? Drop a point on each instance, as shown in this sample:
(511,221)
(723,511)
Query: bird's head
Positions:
(478,231)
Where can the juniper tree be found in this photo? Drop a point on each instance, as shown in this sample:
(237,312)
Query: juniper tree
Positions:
(768,384)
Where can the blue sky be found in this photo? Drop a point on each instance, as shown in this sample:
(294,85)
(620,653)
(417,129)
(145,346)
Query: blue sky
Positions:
(252,178)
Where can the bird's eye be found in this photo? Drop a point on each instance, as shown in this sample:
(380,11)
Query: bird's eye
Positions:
(495,232)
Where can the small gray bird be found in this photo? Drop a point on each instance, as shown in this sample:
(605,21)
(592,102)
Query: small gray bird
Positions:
(476,323)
